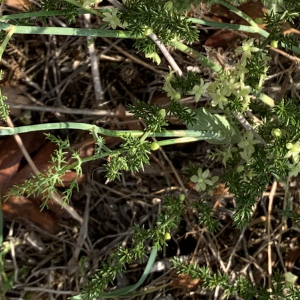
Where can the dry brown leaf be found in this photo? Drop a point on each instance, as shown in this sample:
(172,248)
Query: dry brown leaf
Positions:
(10,156)
(223,39)
(227,38)
(254,9)
(185,281)
(20,209)
(22,5)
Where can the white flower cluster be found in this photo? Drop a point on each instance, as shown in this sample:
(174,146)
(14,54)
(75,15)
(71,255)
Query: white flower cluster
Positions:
(203,180)
(233,81)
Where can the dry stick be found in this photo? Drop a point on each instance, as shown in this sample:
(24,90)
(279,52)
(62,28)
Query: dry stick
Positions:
(166,53)
(248,127)
(23,149)
(275,243)
(13,255)
(45,290)
(35,170)
(283,224)
(234,250)
(94,65)
(291,57)
(83,233)
(271,198)
(117,4)
(133,58)
(157,41)
(215,251)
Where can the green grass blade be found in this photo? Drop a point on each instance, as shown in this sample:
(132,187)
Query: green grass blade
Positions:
(128,289)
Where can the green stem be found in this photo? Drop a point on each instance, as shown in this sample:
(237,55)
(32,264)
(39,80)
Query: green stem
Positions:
(117,133)
(128,289)
(10,32)
(180,140)
(70,31)
(223,25)
(240,14)
(201,58)
(257,29)
(264,98)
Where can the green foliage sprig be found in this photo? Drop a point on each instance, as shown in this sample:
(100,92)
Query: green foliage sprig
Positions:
(168,219)
(240,286)
(160,17)
(45,183)
(4,109)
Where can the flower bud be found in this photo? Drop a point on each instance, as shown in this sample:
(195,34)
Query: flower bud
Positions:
(167,236)
(276,132)
(259,21)
(148,30)
(240,168)
(154,146)
(162,113)
(181,197)
(168,5)
(177,96)
(274,44)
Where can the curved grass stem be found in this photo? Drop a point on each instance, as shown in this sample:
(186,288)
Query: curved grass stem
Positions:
(116,133)
(10,31)
(70,31)
(257,29)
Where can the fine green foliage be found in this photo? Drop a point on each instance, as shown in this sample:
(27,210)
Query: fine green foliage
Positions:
(168,219)
(240,286)
(45,183)
(250,154)
(165,21)
(4,109)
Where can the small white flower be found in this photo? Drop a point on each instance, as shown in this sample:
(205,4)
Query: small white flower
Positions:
(230,85)
(198,90)
(247,144)
(218,99)
(202,179)
(244,94)
(240,71)
(227,154)
(112,18)
(294,151)
(246,49)
(88,3)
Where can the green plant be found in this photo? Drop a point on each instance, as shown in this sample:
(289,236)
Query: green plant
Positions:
(240,286)
(251,155)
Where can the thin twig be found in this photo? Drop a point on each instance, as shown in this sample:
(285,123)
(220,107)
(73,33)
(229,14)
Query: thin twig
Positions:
(234,250)
(166,53)
(133,58)
(248,127)
(83,233)
(271,198)
(23,149)
(291,57)
(157,41)
(94,64)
